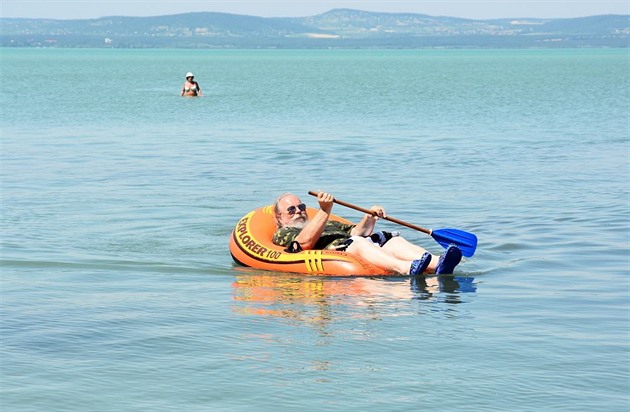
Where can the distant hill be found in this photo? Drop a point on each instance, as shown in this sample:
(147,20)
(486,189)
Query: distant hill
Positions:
(338,28)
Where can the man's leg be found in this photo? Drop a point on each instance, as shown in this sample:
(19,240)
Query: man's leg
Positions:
(378,256)
(400,248)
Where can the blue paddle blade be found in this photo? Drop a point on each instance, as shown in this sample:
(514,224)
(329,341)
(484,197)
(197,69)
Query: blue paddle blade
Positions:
(467,242)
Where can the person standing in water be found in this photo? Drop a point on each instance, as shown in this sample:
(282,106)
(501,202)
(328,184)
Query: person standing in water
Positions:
(191,87)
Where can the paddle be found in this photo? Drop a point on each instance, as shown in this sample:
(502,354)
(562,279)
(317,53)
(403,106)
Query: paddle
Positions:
(467,242)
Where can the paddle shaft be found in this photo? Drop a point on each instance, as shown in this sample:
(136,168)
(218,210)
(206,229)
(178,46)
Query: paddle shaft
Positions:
(371,212)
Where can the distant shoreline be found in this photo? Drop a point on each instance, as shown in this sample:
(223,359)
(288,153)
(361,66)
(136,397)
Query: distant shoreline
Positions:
(336,29)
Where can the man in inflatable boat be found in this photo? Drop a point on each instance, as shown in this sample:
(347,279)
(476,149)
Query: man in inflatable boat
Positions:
(390,252)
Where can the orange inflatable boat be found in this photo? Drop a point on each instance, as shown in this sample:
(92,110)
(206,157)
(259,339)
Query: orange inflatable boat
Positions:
(251,245)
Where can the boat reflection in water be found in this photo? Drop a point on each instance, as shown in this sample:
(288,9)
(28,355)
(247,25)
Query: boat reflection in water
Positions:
(320,300)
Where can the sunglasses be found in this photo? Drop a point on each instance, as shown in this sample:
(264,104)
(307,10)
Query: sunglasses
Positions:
(293,209)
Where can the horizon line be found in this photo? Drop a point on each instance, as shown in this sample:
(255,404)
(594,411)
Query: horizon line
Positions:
(313,15)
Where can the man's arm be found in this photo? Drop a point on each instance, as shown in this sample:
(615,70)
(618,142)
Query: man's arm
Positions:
(366,226)
(309,236)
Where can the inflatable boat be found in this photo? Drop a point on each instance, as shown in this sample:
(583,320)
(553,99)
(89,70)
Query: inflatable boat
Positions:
(251,245)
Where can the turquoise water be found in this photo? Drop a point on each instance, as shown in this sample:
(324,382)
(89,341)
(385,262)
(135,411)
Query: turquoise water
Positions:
(118,198)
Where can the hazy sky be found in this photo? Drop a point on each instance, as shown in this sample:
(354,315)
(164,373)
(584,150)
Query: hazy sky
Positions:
(480,9)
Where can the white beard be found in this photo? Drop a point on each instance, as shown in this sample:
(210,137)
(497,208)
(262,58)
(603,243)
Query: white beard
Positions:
(298,222)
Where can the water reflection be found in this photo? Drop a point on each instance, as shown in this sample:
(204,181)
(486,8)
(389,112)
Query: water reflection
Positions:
(451,287)
(320,300)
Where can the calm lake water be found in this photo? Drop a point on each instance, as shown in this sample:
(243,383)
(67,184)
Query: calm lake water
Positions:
(119,196)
